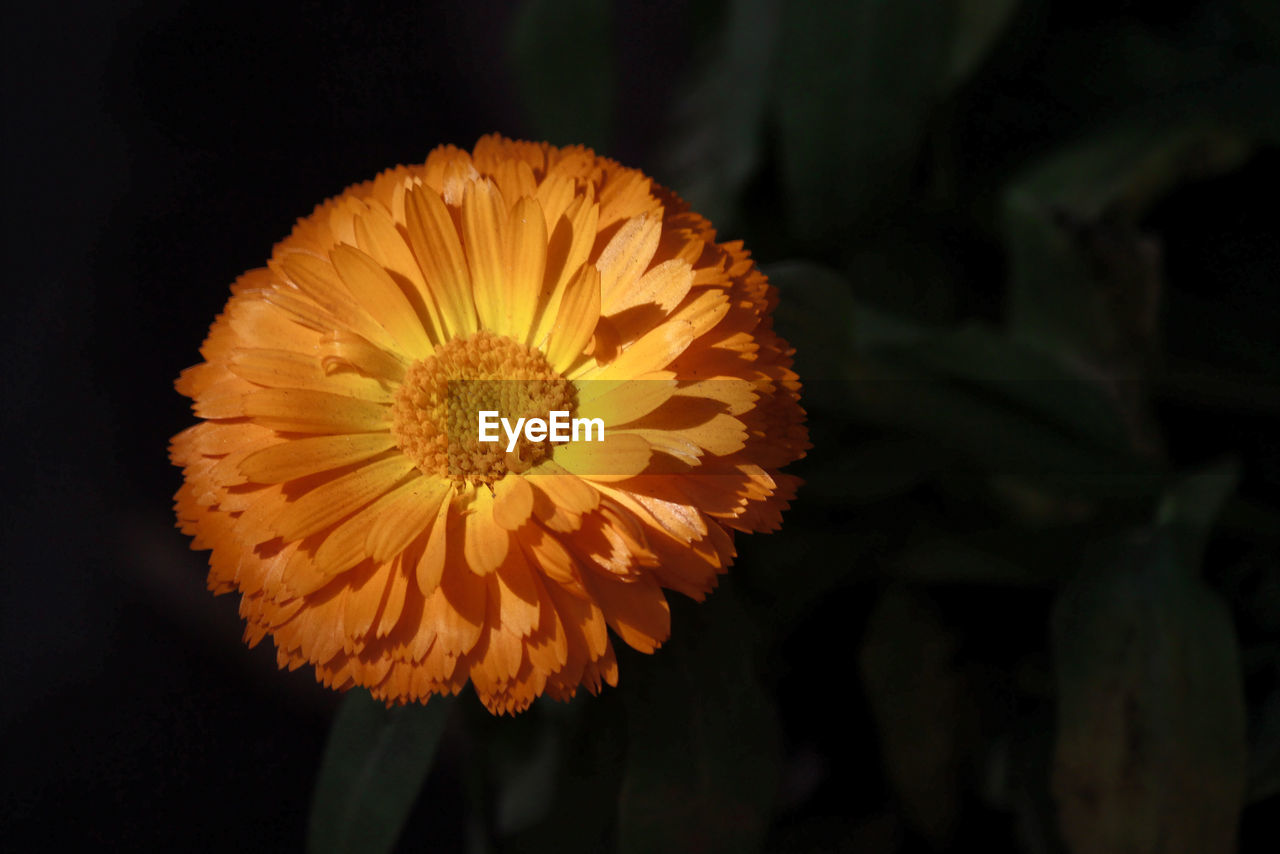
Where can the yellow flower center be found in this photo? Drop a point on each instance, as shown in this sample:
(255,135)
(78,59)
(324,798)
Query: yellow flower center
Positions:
(435,416)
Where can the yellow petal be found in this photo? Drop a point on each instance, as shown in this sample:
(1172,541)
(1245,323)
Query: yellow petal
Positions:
(721,434)
(681,520)
(299,411)
(484,216)
(568,248)
(515,179)
(316,278)
(617,402)
(330,502)
(383,529)
(436,246)
(666,285)
(620,455)
(653,352)
(484,542)
(301,457)
(512,502)
(576,320)
(460,615)
(555,194)
(627,256)
(394,606)
(636,610)
(550,556)
(285,369)
(376,234)
(407,513)
(518,596)
(370,283)
(560,498)
(703,312)
(431,564)
(342,348)
(526,262)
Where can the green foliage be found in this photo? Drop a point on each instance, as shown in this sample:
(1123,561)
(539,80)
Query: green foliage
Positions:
(857,82)
(562,57)
(720,148)
(702,754)
(918,695)
(373,767)
(1151,752)
(1000,594)
(1084,280)
(558,772)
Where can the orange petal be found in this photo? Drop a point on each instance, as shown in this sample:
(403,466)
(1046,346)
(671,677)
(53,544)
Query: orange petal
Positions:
(297,458)
(379,294)
(376,234)
(636,610)
(485,543)
(285,369)
(484,215)
(568,249)
(525,262)
(513,502)
(317,279)
(620,455)
(335,500)
(436,246)
(653,352)
(300,411)
(576,320)
(627,256)
(666,285)
(431,564)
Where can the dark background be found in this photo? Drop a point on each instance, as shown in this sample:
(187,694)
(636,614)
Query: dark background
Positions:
(159,149)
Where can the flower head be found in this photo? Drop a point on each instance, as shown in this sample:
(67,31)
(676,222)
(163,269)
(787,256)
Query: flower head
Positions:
(338,476)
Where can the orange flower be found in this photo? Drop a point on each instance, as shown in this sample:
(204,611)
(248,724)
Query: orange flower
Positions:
(337,475)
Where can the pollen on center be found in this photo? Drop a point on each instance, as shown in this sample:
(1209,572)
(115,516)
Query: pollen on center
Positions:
(435,416)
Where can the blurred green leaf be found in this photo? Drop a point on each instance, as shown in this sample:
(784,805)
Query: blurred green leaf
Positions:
(703,745)
(917,694)
(878,834)
(525,753)
(1112,65)
(872,471)
(1002,406)
(1264,749)
(1084,282)
(1018,781)
(1208,72)
(785,577)
(1151,753)
(856,83)
(979,24)
(1192,506)
(578,801)
(719,123)
(1260,20)
(902,269)
(815,313)
(562,54)
(1041,388)
(1019,559)
(1125,169)
(374,764)
(830,327)
(1248,100)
